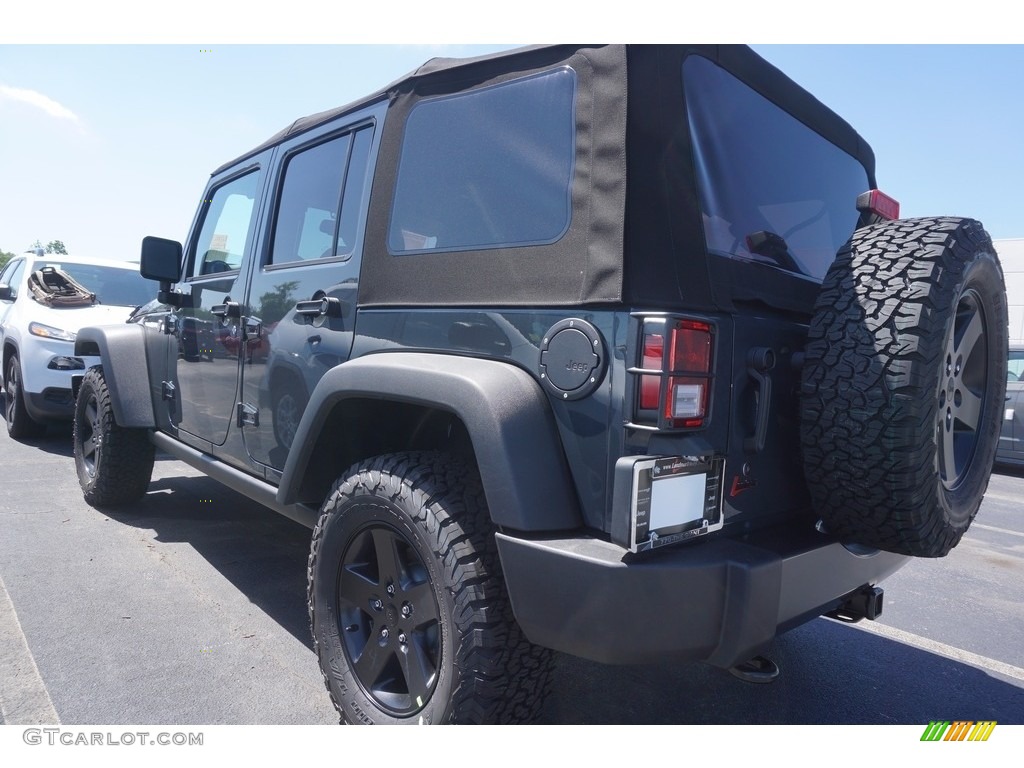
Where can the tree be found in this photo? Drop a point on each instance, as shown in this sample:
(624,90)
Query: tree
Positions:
(5,256)
(54,246)
(275,304)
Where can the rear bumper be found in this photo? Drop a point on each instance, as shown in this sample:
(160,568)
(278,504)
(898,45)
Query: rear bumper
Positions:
(719,600)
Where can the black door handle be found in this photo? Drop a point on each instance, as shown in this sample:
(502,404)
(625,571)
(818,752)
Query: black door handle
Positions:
(326,306)
(228,309)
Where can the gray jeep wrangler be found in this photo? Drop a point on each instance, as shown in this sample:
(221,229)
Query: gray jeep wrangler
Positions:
(616,351)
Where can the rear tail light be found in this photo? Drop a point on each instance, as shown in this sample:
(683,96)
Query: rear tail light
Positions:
(675,382)
(878,203)
(650,386)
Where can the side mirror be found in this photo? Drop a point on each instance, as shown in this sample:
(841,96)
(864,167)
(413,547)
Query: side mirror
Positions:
(6,294)
(161,259)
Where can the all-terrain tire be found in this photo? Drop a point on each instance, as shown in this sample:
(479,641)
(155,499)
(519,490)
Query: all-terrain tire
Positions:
(114,464)
(903,384)
(407,604)
(20,424)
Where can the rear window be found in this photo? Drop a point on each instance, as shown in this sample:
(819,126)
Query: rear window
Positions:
(771,189)
(490,168)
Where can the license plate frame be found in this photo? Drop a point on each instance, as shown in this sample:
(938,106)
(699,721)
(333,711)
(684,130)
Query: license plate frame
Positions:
(674,498)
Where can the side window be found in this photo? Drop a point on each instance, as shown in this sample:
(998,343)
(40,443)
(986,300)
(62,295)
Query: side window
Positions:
(220,246)
(3,273)
(355,191)
(1015,369)
(490,168)
(323,188)
(12,276)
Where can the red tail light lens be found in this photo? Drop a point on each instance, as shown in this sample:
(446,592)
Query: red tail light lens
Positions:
(688,365)
(877,202)
(650,386)
(691,347)
(687,399)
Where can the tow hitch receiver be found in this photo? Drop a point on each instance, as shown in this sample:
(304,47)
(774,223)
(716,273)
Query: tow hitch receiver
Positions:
(865,603)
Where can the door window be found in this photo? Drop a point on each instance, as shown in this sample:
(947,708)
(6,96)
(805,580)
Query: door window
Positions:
(226,227)
(320,199)
(1015,369)
(13,277)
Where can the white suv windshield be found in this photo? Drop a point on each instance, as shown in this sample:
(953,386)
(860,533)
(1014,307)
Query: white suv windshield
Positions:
(112,285)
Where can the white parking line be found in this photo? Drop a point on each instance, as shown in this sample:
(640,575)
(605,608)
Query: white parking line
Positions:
(23,696)
(997,530)
(985,663)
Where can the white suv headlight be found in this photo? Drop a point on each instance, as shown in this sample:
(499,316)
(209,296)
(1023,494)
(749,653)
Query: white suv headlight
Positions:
(49,332)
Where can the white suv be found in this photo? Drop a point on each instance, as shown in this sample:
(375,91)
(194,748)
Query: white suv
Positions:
(38,334)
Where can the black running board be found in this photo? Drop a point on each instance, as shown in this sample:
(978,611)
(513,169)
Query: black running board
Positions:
(259,491)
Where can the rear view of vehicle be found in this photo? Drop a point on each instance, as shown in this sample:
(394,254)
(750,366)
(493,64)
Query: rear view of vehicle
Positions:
(907,326)
(811,419)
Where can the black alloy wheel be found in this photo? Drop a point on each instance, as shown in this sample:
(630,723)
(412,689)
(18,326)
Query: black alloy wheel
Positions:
(389,620)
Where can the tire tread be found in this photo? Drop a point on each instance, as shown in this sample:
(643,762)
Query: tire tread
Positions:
(126,464)
(868,412)
(502,677)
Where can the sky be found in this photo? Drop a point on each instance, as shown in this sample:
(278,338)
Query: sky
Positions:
(102,144)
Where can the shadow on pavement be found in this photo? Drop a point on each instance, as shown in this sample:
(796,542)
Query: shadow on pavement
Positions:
(1010,470)
(260,552)
(831,673)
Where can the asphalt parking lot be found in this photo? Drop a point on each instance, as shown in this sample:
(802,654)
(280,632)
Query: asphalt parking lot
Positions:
(189,608)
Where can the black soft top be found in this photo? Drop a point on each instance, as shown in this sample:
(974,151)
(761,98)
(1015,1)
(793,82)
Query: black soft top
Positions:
(635,220)
(738,59)
(437,64)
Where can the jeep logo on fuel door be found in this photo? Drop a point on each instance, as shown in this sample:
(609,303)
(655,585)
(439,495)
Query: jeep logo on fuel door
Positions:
(573,359)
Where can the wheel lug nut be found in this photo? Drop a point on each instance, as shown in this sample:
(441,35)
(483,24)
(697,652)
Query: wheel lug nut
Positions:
(384,633)
(378,605)
(402,638)
(391,589)
(406,610)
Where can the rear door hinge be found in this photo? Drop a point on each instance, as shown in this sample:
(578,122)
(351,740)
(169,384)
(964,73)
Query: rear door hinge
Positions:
(248,414)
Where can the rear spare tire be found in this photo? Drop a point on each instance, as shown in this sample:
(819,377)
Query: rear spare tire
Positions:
(903,384)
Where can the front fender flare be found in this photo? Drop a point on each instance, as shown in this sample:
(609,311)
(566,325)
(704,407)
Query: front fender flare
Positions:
(122,350)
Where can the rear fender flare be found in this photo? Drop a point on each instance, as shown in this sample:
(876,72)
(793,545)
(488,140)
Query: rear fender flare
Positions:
(515,439)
